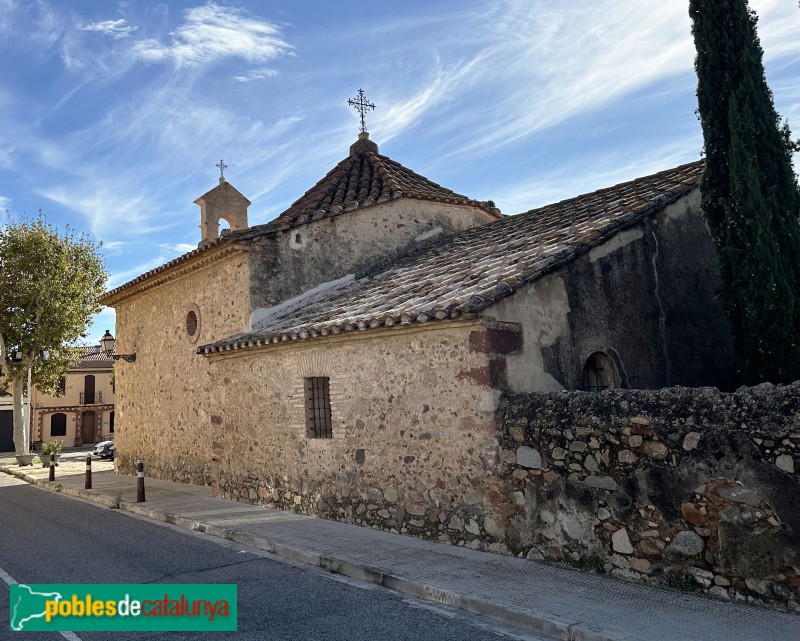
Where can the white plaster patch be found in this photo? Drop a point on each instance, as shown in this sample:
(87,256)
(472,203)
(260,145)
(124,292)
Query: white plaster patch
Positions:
(618,241)
(489,400)
(263,316)
(542,309)
(689,204)
(429,234)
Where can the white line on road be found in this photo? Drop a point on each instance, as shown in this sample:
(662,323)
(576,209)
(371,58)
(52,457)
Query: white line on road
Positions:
(69,636)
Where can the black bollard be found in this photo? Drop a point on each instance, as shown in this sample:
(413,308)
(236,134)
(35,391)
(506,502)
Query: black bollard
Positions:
(140,481)
(88,482)
(52,468)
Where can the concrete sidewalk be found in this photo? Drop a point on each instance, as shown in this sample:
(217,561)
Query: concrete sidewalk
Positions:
(549,600)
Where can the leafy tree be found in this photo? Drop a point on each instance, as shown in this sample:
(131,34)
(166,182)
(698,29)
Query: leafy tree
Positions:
(49,285)
(749,190)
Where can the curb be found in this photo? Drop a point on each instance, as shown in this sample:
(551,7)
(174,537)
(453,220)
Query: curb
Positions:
(530,621)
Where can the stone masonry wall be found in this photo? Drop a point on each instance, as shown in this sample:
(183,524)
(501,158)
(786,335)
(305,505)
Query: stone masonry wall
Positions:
(415,442)
(162,398)
(290,262)
(686,487)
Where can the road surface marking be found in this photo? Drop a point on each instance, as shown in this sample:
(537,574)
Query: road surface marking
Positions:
(69,636)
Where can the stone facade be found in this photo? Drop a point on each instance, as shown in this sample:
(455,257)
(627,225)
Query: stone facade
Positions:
(686,487)
(403,455)
(162,414)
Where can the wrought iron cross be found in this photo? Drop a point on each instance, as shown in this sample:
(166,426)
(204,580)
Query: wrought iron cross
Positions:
(222,167)
(362,105)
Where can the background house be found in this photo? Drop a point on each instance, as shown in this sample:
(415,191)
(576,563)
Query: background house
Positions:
(85,412)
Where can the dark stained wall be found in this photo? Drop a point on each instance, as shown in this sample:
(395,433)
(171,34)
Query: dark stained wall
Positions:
(646,297)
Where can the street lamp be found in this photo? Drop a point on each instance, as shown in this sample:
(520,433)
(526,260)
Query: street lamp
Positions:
(107,342)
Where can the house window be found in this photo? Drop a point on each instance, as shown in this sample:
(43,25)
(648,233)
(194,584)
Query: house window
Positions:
(599,373)
(111,422)
(318,407)
(58,425)
(61,386)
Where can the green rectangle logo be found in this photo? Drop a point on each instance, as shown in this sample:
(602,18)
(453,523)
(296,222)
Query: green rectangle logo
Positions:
(112,607)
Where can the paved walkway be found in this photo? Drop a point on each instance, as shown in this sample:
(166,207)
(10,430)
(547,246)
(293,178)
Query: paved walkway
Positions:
(549,600)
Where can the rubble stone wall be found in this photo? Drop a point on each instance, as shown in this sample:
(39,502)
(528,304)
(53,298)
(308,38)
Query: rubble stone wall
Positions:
(688,487)
(162,397)
(402,457)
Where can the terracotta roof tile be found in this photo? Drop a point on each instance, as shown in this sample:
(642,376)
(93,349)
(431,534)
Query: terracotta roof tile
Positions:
(363,179)
(469,270)
(93,357)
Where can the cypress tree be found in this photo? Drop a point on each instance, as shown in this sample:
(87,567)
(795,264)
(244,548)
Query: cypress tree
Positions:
(749,191)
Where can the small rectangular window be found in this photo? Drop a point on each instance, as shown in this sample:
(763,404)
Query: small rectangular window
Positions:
(318,407)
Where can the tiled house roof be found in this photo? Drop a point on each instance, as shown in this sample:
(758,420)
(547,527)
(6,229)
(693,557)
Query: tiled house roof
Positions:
(93,357)
(366,178)
(470,270)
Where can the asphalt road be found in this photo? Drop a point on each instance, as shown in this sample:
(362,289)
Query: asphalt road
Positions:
(47,538)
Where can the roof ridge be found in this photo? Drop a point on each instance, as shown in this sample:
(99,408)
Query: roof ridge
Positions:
(565,201)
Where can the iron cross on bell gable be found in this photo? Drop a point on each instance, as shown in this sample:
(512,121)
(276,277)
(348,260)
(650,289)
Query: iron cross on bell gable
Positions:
(222,167)
(362,105)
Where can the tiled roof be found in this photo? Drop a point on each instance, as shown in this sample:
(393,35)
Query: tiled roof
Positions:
(108,297)
(366,178)
(362,179)
(93,357)
(470,270)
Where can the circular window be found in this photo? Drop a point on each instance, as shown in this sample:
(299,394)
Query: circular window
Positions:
(193,324)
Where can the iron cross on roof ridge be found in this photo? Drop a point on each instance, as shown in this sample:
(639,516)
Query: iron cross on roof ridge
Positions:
(222,167)
(362,105)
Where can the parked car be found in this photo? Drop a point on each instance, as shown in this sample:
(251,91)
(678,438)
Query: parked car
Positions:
(104,449)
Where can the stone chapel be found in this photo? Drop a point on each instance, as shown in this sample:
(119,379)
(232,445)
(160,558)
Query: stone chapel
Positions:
(348,358)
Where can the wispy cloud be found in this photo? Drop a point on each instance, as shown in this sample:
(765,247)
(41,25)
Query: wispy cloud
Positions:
(211,33)
(4,202)
(596,170)
(529,67)
(118,278)
(114,28)
(179,248)
(256,74)
(110,207)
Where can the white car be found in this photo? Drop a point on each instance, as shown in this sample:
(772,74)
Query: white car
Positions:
(104,449)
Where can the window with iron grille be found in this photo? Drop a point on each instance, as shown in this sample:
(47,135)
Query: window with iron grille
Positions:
(599,373)
(318,407)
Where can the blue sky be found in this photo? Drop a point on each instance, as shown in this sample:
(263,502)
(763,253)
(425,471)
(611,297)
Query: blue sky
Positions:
(115,113)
